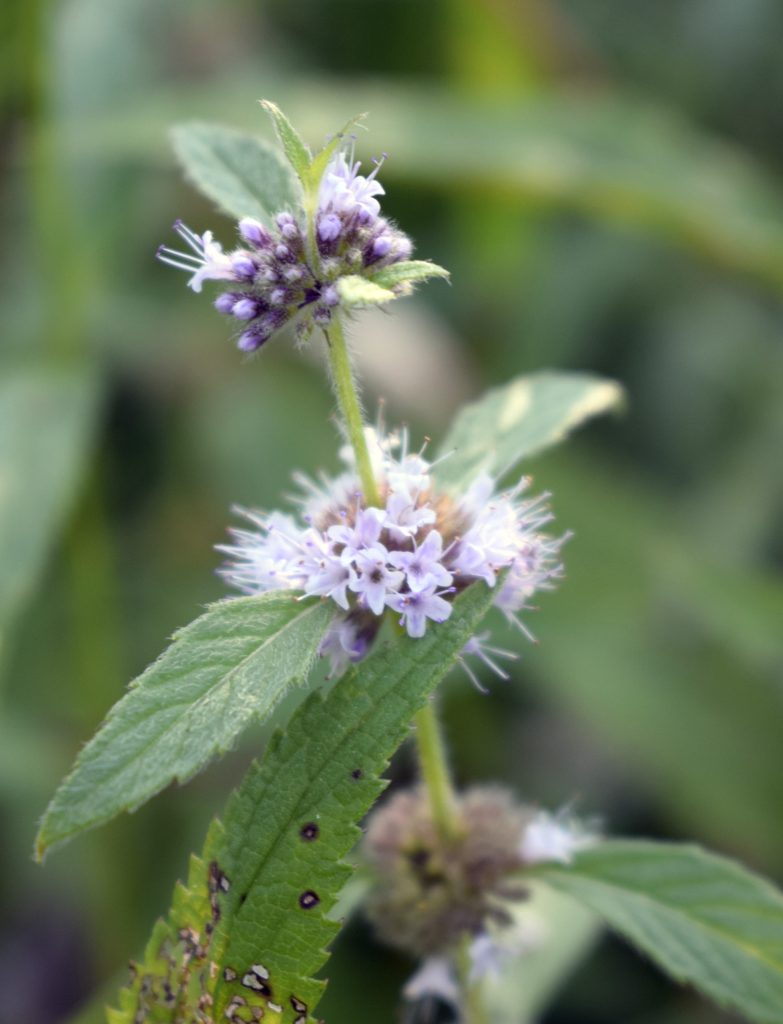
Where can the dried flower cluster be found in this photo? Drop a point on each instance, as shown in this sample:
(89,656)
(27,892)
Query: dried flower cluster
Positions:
(430,892)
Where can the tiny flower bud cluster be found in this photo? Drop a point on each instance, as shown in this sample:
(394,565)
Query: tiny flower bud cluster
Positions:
(411,554)
(280,275)
(429,892)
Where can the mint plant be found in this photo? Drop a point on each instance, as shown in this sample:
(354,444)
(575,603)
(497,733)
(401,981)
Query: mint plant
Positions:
(388,571)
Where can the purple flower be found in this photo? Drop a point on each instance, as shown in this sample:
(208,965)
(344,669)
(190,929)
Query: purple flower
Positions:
(275,262)
(373,580)
(422,566)
(412,555)
(364,533)
(245,308)
(255,232)
(416,608)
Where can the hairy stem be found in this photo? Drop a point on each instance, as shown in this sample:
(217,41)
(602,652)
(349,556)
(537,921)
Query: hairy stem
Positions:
(435,773)
(348,400)
(432,754)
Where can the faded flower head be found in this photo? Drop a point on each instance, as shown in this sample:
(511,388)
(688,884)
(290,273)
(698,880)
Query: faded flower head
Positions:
(430,892)
(294,271)
(411,554)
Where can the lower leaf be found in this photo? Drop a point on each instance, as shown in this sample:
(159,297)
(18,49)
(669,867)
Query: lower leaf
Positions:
(702,918)
(245,937)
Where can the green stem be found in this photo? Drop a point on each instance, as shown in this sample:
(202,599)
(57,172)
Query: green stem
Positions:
(435,773)
(348,400)
(432,754)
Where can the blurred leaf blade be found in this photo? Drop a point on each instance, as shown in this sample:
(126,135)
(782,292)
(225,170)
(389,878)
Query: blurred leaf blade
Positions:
(520,419)
(521,992)
(47,417)
(242,175)
(615,158)
(231,665)
(702,918)
(275,867)
(662,674)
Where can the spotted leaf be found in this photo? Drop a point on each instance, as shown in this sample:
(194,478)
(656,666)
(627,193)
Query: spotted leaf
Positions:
(248,933)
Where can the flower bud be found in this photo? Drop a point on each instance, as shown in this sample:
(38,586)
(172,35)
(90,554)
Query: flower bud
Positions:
(254,232)
(430,892)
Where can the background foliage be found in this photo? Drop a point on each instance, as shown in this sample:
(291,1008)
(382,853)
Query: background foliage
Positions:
(600,178)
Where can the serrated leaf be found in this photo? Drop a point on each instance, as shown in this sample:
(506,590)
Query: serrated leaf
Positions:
(281,846)
(520,419)
(324,155)
(408,272)
(46,416)
(294,148)
(230,666)
(703,919)
(358,291)
(243,175)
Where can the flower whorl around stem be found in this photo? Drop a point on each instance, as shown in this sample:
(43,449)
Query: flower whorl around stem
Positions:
(275,277)
(411,553)
(431,891)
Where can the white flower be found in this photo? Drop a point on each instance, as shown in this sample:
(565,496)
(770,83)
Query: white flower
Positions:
(478,647)
(206,262)
(553,837)
(344,190)
(404,518)
(435,978)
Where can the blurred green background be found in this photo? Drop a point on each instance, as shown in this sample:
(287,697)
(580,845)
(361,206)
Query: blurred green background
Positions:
(601,178)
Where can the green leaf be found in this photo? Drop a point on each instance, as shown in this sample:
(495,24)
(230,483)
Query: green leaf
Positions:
(702,918)
(284,835)
(614,159)
(522,991)
(520,419)
(359,291)
(692,716)
(46,421)
(230,666)
(324,155)
(294,148)
(408,272)
(244,176)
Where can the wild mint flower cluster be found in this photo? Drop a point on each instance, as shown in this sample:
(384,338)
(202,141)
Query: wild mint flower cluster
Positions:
(280,275)
(428,893)
(412,553)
